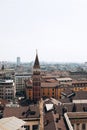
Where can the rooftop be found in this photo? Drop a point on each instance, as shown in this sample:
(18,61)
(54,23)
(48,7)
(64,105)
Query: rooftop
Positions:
(9,123)
(31,111)
(80,95)
(75,115)
(6,81)
(49,84)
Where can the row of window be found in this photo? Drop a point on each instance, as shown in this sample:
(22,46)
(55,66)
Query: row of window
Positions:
(79,85)
(6,97)
(1,94)
(49,93)
(78,126)
(81,88)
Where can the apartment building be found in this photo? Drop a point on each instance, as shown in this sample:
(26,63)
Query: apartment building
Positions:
(76,120)
(20,81)
(7,89)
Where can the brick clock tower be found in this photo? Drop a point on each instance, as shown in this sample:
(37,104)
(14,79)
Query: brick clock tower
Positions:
(36,80)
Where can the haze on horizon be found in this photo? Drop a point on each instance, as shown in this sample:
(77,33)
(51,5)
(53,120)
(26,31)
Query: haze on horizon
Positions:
(56,28)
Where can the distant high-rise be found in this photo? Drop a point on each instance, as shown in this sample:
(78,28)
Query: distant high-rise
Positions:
(18,61)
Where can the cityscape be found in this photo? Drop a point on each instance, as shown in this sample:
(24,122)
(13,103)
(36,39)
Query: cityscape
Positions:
(44,89)
(42,96)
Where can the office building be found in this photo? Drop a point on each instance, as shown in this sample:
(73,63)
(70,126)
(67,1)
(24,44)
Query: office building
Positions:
(20,81)
(18,61)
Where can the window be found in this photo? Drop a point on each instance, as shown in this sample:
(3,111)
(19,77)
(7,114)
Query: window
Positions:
(35,127)
(26,127)
(78,126)
(73,126)
(53,89)
(52,93)
(83,127)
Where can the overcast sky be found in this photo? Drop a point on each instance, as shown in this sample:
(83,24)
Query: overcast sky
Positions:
(56,28)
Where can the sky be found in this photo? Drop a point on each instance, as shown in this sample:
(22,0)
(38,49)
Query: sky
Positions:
(56,28)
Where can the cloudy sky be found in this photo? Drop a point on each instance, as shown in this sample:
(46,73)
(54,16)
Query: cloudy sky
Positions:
(56,28)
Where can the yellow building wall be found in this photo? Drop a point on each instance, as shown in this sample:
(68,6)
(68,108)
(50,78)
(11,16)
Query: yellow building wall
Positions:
(47,91)
(29,93)
(52,92)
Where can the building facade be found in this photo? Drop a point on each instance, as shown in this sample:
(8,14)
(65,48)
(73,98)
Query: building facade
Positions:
(7,89)
(20,81)
(18,61)
(76,120)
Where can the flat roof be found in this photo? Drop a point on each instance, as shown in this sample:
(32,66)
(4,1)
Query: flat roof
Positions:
(49,84)
(22,112)
(64,79)
(75,115)
(6,81)
(11,123)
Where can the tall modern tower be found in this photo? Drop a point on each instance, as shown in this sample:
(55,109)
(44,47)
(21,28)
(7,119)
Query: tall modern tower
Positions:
(36,80)
(18,61)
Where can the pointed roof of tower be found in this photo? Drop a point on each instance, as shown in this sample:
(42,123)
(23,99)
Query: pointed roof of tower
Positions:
(36,63)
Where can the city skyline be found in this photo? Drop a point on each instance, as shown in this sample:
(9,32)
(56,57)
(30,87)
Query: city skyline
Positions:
(57,29)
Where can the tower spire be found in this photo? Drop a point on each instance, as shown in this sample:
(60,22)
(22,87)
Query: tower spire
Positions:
(36,79)
(36,63)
